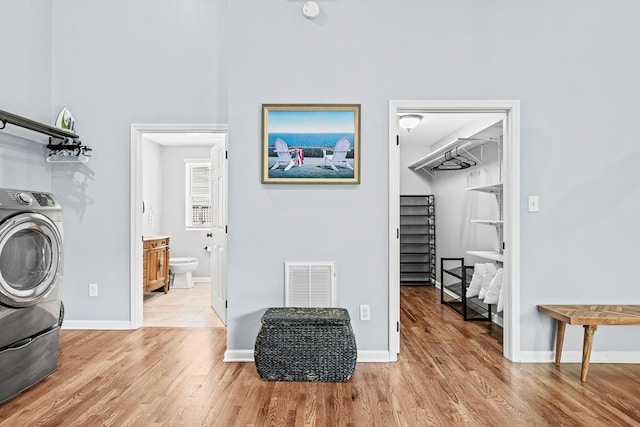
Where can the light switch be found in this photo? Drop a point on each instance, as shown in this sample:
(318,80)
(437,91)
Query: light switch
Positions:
(534,204)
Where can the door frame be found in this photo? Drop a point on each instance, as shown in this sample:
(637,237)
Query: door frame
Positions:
(135,229)
(511,180)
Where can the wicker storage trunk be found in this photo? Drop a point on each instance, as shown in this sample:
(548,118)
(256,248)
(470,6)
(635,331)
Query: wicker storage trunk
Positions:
(306,344)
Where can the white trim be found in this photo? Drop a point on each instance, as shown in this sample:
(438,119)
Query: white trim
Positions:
(394,230)
(364,356)
(238,356)
(576,357)
(374,356)
(97,324)
(135,243)
(511,343)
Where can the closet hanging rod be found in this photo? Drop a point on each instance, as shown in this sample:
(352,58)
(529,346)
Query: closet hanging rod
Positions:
(23,122)
(463,144)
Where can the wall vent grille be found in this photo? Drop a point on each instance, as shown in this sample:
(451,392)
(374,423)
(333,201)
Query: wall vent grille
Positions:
(310,284)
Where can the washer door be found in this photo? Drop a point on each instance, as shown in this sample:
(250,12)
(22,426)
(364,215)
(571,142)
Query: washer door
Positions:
(30,259)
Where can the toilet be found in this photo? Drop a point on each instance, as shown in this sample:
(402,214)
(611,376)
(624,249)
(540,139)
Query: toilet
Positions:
(181,269)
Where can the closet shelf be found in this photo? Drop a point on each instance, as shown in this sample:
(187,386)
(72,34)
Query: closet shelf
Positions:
(64,144)
(491,255)
(495,222)
(489,188)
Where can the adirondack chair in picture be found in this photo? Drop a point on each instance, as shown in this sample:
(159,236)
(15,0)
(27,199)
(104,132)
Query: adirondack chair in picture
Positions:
(286,156)
(339,155)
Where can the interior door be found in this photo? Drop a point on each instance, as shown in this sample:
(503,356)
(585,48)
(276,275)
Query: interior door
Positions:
(219,229)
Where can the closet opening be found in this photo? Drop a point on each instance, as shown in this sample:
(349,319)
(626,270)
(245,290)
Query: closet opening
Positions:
(453,213)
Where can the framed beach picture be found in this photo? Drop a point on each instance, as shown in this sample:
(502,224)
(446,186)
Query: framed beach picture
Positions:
(311,143)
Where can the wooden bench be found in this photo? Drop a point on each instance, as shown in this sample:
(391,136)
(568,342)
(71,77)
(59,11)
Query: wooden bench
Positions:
(590,316)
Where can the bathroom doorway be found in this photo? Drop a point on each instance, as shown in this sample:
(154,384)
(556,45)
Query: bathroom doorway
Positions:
(168,163)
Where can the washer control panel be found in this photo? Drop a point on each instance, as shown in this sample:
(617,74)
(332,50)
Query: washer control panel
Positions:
(19,199)
(45,199)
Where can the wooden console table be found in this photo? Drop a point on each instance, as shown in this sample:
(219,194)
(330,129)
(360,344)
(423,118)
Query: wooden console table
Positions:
(590,316)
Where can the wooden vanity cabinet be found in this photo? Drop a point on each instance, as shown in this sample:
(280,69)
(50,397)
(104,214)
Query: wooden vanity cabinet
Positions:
(156,264)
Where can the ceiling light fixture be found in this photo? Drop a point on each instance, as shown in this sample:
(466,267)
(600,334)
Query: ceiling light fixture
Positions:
(409,121)
(310,10)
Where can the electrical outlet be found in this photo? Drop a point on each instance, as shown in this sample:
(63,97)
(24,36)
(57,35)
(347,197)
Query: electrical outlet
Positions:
(534,204)
(365,312)
(93,289)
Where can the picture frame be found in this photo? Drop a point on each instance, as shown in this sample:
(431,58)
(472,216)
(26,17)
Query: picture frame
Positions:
(311,143)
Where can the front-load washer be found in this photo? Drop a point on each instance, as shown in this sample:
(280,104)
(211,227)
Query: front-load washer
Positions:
(30,288)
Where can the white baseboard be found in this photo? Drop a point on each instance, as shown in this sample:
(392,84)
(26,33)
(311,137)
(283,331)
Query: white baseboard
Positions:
(201,279)
(97,324)
(367,356)
(576,357)
(238,356)
(364,356)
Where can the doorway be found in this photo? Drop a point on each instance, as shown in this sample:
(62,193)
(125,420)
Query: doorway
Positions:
(189,240)
(511,174)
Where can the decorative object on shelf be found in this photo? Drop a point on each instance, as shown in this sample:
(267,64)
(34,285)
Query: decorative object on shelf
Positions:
(316,143)
(495,287)
(490,271)
(500,305)
(65,119)
(310,10)
(417,240)
(64,144)
(476,280)
(409,121)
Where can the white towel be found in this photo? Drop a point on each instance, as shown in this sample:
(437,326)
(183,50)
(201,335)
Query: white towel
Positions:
(476,280)
(494,289)
(490,271)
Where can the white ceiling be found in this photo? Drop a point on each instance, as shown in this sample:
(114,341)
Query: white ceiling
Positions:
(436,127)
(184,138)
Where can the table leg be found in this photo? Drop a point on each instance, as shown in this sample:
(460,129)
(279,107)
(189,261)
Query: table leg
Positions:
(589,331)
(560,340)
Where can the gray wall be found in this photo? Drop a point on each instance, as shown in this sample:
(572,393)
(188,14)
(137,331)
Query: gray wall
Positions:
(568,62)
(25,26)
(184,243)
(412,182)
(118,62)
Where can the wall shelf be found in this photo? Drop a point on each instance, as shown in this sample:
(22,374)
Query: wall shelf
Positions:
(64,144)
(495,189)
(495,222)
(489,188)
(490,255)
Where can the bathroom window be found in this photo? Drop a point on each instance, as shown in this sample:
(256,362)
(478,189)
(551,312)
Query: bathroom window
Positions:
(198,194)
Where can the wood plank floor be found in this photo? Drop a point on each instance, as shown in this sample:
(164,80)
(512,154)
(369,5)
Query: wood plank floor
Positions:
(450,373)
(181,308)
